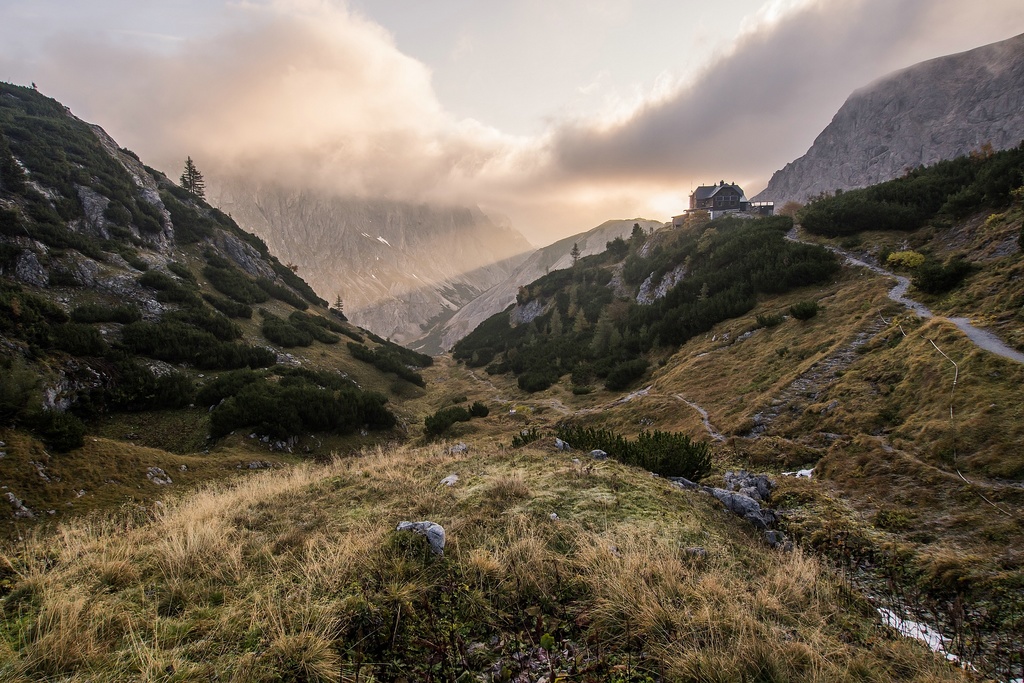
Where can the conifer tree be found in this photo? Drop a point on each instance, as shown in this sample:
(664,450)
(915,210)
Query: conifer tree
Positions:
(575,253)
(192,179)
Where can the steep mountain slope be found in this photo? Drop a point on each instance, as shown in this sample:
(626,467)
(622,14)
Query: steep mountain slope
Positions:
(399,267)
(129,306)
(552,257)
(939,109)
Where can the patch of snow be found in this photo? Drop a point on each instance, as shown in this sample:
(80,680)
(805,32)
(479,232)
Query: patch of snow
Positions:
(912,629)
(381,239)
(799,473)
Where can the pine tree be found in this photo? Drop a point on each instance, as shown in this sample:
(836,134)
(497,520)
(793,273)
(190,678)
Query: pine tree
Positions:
(575,253)
(192,179)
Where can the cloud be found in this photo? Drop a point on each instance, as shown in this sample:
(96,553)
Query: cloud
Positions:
(312,95)
(761,104)
(301,92)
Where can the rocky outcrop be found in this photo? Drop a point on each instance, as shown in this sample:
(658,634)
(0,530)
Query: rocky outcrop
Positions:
(651,292)
(935,110)
(433,532)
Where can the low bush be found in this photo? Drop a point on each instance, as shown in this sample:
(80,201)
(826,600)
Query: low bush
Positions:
(804,310)
(439,422)
(525,436)
(230,282)
(904,259)
(282,332)
(316,326)
(284,409)
(386,360)
(769,319)
(624,374)
(61,431)
(478,409)
(669,454)
(230,308)
(175,342)
(78,339)
(536,381)
(281,293)
(934,278)
(100,313)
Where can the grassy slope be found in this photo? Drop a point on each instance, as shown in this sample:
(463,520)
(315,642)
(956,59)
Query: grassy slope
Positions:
(861,392)
(298,575)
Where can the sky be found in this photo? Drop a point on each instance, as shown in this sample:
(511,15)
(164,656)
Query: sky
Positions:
(557,114)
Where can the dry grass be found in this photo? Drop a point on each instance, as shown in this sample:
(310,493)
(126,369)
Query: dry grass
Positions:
(204,586)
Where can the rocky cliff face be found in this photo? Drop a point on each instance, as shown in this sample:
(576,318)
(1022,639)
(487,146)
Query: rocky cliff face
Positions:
(935,110)
(399,267)
(552,257)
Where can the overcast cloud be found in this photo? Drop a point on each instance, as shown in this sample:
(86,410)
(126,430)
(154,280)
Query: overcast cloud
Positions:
(309,94)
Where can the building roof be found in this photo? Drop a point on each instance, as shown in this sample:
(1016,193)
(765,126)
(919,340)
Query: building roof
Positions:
(708,191)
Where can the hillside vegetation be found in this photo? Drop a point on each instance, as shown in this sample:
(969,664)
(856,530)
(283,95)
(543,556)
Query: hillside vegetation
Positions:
(579,324)
(131,308)
(146,365)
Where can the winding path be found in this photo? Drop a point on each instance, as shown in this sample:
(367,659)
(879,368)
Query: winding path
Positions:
(983,339)
(712,432)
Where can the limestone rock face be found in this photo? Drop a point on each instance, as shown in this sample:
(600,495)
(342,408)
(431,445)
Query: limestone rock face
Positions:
(935,110)
(400,267)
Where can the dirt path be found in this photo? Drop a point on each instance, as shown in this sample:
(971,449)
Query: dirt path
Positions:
(983,339)
(712,432)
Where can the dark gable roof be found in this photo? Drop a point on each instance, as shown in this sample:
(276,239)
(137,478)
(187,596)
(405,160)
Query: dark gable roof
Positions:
(708,191)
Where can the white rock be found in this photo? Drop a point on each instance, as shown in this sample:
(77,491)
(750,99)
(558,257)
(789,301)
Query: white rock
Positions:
(433,531)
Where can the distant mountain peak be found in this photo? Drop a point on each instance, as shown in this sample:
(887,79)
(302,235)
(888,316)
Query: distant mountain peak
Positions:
(934,110)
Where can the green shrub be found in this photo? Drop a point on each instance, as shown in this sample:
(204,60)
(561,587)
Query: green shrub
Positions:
(624,374)
(175,341)
(524,437)
(295,282)
(78,339)
(189,225)
(386,359)
(95,312)
(181,270)
(439,422)
(769,320)
(804,310)
(478,409)
(536,381)
(117,214)
(281,293)
(933,278)
(168,289)
(668,454)
(230,282)
(17,384)
(282,332)
(210,321)
(315,326)
(230,308)
(284,409)
(227,384)
(61,431)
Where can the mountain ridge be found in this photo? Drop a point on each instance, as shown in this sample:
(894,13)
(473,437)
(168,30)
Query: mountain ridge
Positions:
(937,109)
(399,267)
